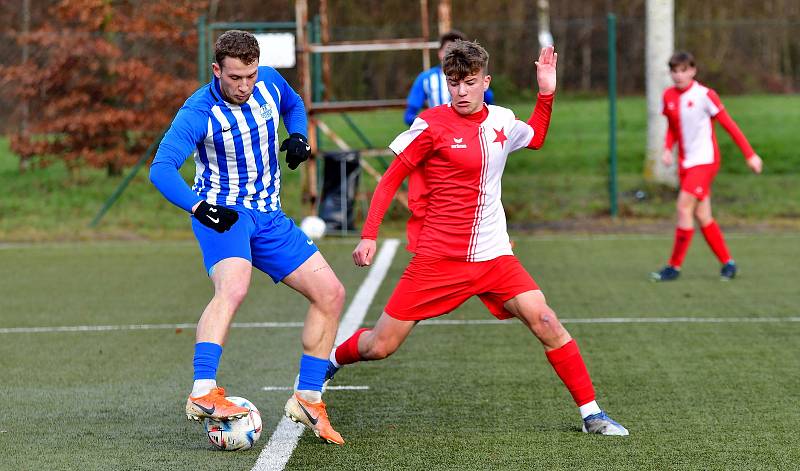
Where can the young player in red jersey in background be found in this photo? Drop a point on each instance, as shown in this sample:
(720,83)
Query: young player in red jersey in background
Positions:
(454,156)
(691,110)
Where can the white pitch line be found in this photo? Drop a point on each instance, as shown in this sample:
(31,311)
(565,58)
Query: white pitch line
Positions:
(635,237)
(623,320)
(107,328)
(329,388)
(279,449)
(675,320)
(432,322)
(349,241)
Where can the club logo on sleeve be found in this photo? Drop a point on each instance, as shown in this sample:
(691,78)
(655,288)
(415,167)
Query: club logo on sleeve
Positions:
(458,143)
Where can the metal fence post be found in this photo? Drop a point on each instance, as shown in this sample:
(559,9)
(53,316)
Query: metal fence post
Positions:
(612,113)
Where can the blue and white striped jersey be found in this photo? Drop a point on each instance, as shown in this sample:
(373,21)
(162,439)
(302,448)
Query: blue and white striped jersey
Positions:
(433,87)
(430,89)
(235,146)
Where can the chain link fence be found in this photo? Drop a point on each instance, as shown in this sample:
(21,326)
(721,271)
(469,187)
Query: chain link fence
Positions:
(734,56)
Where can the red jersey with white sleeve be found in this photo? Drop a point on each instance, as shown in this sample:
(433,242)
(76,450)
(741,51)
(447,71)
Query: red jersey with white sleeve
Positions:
(690,122)
(455,165)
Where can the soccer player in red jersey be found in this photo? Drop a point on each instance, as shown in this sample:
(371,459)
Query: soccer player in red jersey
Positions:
(691,109)
(454,156)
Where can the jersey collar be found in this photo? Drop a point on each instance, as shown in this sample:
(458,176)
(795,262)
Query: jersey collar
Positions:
(477,117)
(687,88)
(216,92)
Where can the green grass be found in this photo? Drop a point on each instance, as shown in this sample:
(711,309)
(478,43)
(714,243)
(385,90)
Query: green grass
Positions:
(565,180)
(577,142)
(694,395)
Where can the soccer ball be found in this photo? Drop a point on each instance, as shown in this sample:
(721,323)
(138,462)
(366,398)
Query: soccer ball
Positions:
(313,226)
(237,434)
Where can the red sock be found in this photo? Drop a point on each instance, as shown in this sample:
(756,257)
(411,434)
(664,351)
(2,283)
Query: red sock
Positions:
(683,237)
(569,366)
(347,352)
(713,236)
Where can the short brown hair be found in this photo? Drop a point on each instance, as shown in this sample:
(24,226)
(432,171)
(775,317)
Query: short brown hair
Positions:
(463,58)
(681,58)
(237,44)
(451,36)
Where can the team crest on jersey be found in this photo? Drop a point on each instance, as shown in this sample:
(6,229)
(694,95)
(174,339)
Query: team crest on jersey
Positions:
(457,143)
(266,112)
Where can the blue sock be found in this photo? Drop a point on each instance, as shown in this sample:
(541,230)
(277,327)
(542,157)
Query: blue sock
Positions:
(312,373)
(206,360)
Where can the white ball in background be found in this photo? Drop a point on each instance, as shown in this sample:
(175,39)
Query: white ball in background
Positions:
(313,226)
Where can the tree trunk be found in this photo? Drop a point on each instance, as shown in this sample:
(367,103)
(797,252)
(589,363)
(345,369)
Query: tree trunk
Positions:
(24,161)
(659,42)
(545,37)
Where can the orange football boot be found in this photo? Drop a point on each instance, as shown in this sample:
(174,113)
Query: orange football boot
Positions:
(314,416)
(215,406)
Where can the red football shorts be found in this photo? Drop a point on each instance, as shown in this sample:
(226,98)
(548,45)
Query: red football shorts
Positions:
(697,180)
(433,286)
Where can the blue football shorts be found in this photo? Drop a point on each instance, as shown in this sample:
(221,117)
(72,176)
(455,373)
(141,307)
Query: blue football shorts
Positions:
(270,241)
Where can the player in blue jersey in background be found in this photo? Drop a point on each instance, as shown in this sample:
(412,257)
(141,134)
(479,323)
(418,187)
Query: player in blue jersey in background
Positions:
(430,86)
(231,124)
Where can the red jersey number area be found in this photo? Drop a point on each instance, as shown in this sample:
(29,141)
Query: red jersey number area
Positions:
(432,286)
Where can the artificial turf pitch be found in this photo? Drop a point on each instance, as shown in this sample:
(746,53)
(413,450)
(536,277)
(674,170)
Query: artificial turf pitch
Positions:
(718,394)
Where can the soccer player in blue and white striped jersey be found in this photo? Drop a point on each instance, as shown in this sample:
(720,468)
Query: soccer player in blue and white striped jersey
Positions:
(430,86)
(231,126)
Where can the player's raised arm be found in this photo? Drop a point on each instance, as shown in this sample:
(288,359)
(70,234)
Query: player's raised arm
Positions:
(546,70)
(546,77)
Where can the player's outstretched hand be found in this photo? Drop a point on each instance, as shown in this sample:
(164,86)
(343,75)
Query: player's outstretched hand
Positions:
(755,163)
(667,158)
(297,149)
(216,217)
(364,252)
(546,70)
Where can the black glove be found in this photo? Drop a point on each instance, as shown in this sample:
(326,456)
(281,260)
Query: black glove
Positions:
(216,217)
(297,149)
